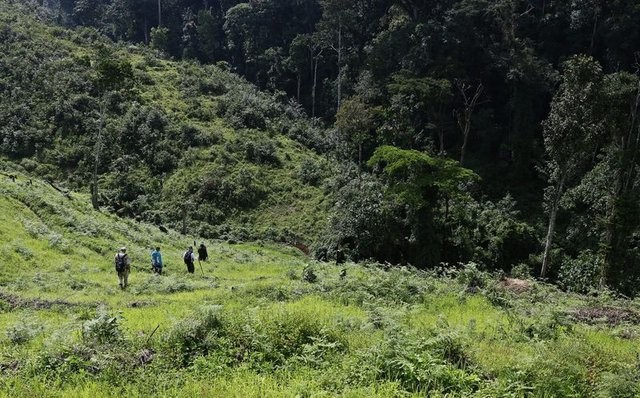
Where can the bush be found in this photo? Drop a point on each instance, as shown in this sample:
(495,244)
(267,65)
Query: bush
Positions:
(22,332)
(309,275)
(560,370)
(261,151)
(262,343)
(310,172)
(393,286)
(624,383)
(195,336)
(103,329)
(435,364)
(245,109)
(160,39)
(521,271)
(472,278)
(491,233)
(581,274)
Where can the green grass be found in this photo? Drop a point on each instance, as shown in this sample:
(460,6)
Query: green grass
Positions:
(247,325)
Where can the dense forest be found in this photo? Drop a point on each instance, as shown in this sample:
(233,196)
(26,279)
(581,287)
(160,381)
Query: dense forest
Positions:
(425,132)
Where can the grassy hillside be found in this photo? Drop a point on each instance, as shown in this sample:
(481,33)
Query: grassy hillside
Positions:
(264,321)
(179,140)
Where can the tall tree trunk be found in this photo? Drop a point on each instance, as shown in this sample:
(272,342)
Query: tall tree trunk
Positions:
(465,141)
(594,31)
(315,85)
(470,102)
(146,31)
(299,86)
(159,13)
(612,237)
(339,63)
(96,160)
(553,215)
(623,196)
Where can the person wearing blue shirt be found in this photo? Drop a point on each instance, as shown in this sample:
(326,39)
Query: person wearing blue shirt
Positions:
(156,261)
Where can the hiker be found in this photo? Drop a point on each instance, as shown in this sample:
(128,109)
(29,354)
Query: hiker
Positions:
(156,261)
(202,253)
(189,259)
(123,267)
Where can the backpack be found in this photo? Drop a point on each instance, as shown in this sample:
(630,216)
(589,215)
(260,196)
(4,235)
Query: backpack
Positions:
(155,260)
(187,258)
(121,262)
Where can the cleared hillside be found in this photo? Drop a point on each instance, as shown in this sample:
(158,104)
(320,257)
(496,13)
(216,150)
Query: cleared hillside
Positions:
(264,321)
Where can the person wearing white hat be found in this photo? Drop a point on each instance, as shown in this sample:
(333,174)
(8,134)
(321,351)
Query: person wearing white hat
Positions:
(123,267)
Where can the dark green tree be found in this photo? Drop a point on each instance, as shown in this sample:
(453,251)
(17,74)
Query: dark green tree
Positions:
(111,75)
(572,132)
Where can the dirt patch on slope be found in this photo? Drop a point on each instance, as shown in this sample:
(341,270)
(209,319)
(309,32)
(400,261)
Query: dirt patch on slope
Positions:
(609,315)
(516,285)
(14,302)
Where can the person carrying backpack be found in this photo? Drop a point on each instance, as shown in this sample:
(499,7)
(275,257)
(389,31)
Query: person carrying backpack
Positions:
(123,267)
(156,261)
(202,253)
(189,260)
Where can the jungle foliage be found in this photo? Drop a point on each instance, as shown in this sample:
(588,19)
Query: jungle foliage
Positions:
(423,132)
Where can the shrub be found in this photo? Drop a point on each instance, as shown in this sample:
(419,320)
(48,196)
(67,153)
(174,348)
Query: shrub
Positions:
(22,332)
(545,328)
(294,335)
(29,164)
(436,364)
(521,271)
(472,278)
(263,343)
(310,172)
(103,329)
(309,275)
(624,383)
(62,363)
(261,151)
(560,370)
(393,286)
(244,109)
(581,274)
(195,336)
(160,39)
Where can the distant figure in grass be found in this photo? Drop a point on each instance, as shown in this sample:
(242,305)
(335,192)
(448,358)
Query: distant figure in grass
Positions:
(202,253)
(123,267)
(340,257)
(156,261)
(189,259)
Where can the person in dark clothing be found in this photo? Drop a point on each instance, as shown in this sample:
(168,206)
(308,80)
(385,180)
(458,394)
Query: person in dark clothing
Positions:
(202,253)
(123,267)
(189,260)
(156,261)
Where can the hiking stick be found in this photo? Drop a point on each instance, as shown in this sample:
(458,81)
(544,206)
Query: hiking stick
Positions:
(199,263)
(151,335)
